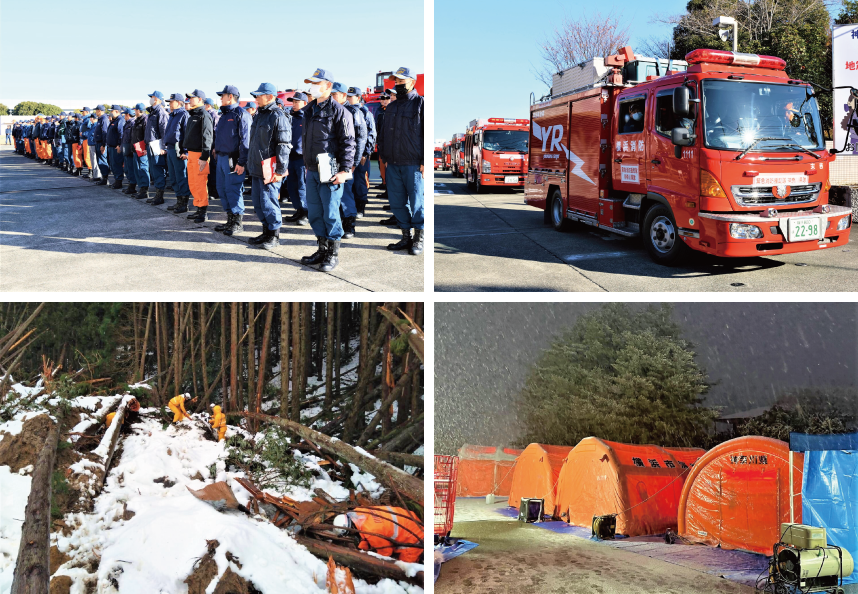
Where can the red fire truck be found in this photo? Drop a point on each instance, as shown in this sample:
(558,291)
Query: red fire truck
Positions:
(726,158)
(457,154)
(445,166)
(496,153)
(439,155)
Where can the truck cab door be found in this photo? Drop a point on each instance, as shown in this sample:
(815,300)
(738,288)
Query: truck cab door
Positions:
(678,180)
(629,149)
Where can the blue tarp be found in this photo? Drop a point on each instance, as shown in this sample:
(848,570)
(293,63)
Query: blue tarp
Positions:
(803,442)
(450,550)
(829,495)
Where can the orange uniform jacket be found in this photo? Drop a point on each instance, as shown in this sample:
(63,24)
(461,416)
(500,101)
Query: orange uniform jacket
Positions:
(394,523)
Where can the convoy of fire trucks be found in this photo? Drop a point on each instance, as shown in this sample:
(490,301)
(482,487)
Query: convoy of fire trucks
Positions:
(722,153)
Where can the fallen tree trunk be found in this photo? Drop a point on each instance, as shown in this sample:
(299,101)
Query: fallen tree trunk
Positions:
(32,570)
(407,327)
(359,561)
(400,458)
(389,476)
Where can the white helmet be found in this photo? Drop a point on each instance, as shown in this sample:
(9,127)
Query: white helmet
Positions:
(342,522)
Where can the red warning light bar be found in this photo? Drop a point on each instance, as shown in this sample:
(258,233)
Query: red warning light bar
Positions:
(711,56)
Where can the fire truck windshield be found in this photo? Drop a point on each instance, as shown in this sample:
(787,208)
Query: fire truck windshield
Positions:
(736,114)
(438,153)
(505,140)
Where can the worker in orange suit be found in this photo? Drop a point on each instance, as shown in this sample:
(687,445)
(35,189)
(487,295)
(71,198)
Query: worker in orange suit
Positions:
(196,147)
(177,405)
(218,422)
(385,530)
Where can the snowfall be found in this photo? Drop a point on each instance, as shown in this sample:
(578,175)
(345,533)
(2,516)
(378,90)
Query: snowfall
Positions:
(155,550)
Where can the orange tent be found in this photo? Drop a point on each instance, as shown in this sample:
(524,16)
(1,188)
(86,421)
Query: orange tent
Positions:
(737,495)
(484,470)
(640,483)
(535,475)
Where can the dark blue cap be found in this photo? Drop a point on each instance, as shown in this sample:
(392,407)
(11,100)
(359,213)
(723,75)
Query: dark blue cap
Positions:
(209,101)
(157,94)
(401,72)
(319,75)
(265,89)
(251,104)
(177,97)
(231,90)
(339,88)
(127,111)
(140,106)
(298,97)
(116,107)
(354,92)
(100,107)
(86,109)
(196,93)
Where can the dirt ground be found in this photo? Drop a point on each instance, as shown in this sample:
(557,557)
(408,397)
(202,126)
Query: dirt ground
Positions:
(524,559)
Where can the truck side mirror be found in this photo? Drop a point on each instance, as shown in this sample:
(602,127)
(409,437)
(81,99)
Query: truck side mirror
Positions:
(681,137)
(682,101)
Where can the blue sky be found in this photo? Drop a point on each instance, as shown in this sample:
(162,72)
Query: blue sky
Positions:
(203,45)
(486,52)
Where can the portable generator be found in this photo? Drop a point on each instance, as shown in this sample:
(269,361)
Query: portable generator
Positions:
(803,561)
(604,527)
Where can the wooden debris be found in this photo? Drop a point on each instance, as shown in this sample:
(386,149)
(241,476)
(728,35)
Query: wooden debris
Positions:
(346,586)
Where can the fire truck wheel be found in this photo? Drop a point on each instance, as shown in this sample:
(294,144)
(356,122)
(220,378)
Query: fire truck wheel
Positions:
(555,209)
(661,237)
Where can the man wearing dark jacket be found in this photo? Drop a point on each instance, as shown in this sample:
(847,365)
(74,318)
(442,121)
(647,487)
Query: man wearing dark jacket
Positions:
(362,162)
(173,134)
(100,138)
(114,146)
(232,140)
(384,100)
(128,151)
(141,163)
(329,133)
(402,152)
(270,137)
(349,208)
(156,130)
(296,181)
(196,148)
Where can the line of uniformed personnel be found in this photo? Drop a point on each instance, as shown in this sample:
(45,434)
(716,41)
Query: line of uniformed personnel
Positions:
(321,148)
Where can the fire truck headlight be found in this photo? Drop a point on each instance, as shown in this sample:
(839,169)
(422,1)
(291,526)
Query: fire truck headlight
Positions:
(487,167)
(742,231)
(843,223)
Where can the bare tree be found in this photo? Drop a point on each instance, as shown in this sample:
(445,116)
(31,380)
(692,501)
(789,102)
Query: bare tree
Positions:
(656,47)
(579,39)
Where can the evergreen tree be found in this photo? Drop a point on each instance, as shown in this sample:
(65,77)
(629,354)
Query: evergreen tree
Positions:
(619,375)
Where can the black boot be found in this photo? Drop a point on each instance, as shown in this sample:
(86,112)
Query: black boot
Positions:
(143,193)
(181,204)
(102,181)
(260,238)
(390,222)
(131,189)
(383,194)
(224,226)
(299,218)
(117,185)
(361,207)
(348,227)
(332,256)
(319,255)
(402,244)
(236,226)
(79,172)
(272,241)
(202,214)
(416,243)
(159,197)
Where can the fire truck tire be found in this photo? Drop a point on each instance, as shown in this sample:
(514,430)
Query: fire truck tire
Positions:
(556,211)
(661,237)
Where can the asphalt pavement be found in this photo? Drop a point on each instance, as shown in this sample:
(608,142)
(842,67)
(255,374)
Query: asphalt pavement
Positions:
(494,242)
(61,233)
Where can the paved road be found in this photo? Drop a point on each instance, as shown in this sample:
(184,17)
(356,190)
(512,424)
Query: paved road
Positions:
(60,233)
(494,242)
